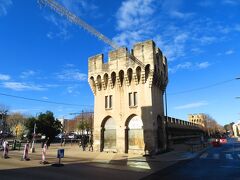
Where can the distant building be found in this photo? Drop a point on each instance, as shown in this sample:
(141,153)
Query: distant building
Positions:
(200,119)
(128,104)
(236,129)
(72,125)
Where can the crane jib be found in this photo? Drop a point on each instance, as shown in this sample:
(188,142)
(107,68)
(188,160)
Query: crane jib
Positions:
(76,20)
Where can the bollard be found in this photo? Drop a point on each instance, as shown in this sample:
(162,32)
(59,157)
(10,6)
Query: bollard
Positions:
(25,152)
(44,151)
(5,150)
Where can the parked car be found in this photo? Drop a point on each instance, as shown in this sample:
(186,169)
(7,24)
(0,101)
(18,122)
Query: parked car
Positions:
(223,140)
(216,143)
(72,136)
(59,136)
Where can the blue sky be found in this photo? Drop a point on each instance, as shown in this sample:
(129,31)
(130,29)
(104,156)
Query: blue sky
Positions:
(43,56)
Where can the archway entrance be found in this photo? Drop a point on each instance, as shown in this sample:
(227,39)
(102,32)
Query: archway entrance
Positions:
(109,135)
(134,135)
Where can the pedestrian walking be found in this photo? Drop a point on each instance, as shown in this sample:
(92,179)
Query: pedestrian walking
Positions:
(91,144)
(26,152)
(5,149)
(83,141)
(44,152)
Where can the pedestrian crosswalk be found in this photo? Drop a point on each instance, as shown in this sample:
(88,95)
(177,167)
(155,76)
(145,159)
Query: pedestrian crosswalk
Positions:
(228,156)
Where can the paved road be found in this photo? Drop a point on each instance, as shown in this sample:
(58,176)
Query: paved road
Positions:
(221,163)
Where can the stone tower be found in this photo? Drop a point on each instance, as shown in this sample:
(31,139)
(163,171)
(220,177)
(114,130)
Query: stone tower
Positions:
(128,107)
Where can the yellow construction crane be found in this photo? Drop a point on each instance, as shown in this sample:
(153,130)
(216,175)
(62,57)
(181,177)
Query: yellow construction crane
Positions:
(58,8)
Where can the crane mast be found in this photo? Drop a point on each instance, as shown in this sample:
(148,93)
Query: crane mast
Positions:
(76,20)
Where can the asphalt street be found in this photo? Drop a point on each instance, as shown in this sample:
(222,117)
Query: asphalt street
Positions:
(221,163)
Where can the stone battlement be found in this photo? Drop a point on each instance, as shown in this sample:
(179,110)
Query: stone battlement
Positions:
(145,51)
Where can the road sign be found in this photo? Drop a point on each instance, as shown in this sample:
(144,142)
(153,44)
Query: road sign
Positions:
(60,153)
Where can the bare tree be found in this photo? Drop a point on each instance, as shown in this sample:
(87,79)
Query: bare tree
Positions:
(16,123)
(212,127)
(3,115)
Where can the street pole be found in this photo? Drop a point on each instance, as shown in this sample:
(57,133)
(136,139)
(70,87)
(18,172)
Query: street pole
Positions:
(34,131)
(82,122)
(166,119)
(1,124)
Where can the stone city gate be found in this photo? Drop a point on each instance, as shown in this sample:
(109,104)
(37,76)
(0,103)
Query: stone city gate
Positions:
(128,98)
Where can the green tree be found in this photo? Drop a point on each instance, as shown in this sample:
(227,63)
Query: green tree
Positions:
(29,124)
(45,125)
(3,116)
(48,126)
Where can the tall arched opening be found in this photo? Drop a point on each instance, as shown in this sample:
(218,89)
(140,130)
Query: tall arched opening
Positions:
(134,134)
(108,134)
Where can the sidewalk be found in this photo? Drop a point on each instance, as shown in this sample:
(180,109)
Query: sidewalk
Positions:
(130,162)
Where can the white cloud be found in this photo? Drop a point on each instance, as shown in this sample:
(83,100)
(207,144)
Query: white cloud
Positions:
(134,21)
(79,7)
(72,75)
(174,47)
(27,74)
(18,86)
(206,3)
(20,110)
(69,65)
(229,52)
(4,77)
(231,2)
(134,24)
(180,15)
(189,66)
(62,24)
(237,27)
(45,98)
(134,13)
(185,65)
(203,65)
(192,105)
(4,5)
(207,39)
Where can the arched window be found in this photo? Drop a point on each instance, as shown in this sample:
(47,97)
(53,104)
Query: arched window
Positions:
(121,77)
(92,83)
(129,73)
(99,82)
(113,78)
(105,77)
(138,72)
(147,71)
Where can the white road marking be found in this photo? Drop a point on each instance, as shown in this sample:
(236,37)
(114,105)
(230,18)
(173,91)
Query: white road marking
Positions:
(141,165)
(229,156)
(235,167)
(204,155)
(216,156)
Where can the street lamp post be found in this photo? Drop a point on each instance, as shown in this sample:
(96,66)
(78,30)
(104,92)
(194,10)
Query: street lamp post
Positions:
(82,122)
(166,122)
(34,132)
(1,122)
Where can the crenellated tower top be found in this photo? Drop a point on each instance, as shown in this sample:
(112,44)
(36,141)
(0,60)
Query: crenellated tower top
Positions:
(120,70)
